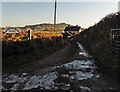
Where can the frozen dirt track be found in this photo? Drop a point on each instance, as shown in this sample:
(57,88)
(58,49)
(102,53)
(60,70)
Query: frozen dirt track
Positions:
(77,75)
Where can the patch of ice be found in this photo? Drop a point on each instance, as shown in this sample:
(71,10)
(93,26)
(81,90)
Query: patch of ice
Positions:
(45,81)
(85,88)
(65,88)
(15,86)
(87,62)
(79,45)
(64,75)
(24,74)
(3,88)
(80,75)
(84,54)
(79,64)
(14,78)
(67,85)
(97,76)
(22,79)
(11,79)
(32,83)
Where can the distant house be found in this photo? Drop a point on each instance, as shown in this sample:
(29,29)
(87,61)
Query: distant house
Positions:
(11,30)
(73,29)
(70,31)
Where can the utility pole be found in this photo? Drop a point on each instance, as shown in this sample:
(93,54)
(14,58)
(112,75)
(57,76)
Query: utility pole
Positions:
(55,14)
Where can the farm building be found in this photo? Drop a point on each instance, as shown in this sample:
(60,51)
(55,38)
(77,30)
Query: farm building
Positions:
(70,31)
(11,30)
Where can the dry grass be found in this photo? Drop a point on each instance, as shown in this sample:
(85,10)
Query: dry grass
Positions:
(23,35)
(45,34)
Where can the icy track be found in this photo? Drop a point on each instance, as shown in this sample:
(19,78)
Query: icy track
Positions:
(60,78)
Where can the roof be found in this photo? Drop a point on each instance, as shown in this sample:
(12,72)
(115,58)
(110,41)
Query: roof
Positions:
(72,28)
(12,31)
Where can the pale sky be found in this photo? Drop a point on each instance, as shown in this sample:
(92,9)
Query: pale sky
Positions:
(84,14)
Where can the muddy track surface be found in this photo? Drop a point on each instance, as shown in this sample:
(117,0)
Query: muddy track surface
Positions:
(58,72)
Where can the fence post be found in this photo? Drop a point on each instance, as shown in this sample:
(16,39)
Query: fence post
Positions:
(29,35)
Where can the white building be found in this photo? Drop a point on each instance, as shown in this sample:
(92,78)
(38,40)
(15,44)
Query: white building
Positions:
(11,30)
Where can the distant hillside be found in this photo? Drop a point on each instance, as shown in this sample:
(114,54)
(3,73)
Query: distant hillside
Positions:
(97,40)
(44,27)
(48,27)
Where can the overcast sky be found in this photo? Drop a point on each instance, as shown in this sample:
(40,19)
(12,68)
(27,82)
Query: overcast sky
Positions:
(84,14)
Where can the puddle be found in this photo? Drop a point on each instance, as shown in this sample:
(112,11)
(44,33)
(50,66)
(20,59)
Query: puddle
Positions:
(62,77)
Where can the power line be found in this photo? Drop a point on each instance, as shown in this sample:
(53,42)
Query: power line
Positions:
(55,14)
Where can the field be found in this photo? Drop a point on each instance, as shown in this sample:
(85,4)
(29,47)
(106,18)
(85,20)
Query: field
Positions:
(38,31)
(17,50)
(23,35)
